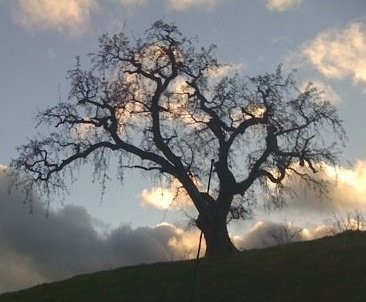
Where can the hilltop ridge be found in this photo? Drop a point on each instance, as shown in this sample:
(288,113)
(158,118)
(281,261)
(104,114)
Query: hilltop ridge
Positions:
(327,269)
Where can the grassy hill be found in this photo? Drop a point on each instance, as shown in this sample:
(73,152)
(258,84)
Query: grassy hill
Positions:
(329,269)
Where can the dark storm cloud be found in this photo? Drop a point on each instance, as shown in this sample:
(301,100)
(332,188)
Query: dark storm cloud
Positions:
(37,248)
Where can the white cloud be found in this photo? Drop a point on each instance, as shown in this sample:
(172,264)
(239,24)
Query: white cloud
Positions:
(181,5)
(171,196)
(338,54)
(158,198)
(224,70)
(66,16)
(282,5)
(327,91)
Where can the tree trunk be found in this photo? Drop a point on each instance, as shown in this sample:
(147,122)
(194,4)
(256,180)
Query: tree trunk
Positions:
(214,227)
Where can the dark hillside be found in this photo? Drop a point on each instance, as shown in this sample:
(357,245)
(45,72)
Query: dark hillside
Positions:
(328,269)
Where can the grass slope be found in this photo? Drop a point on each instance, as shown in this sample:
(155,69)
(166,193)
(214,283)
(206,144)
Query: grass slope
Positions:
(329,269)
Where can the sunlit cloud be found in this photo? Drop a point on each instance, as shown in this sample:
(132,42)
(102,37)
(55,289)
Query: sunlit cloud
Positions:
(350,186)
(346,186)
(316,232)
(282,5)
(66,16)
(266,233)
(185,243)
(158,198)
(270,233)
(171,196)
(340,53)
(179,104)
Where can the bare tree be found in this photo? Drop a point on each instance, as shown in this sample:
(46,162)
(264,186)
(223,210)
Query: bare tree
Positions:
(351,221)
(282,233)
(157,104)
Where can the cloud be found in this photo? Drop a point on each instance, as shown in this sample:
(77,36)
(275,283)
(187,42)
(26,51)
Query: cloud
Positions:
(327,91)
(35,248)
(224,70)
(264,234)
(270,233)
(347,192)
(65,16)
(180,5)
(350,186)
(282,5)
(172,197)
(338,54)
(158,198)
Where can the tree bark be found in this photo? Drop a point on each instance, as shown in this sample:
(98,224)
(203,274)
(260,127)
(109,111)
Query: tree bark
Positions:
(212,222)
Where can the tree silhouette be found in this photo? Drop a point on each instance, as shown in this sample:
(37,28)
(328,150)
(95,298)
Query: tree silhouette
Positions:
(158,104)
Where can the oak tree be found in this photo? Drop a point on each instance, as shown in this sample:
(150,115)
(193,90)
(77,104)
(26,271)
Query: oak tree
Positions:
(162,105)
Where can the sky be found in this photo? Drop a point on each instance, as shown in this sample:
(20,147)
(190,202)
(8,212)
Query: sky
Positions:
(134,223)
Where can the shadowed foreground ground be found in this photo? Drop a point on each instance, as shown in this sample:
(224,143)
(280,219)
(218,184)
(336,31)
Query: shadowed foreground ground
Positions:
(328,269)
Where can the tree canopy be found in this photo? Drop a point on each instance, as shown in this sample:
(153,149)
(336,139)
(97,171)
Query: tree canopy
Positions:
(161,104)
